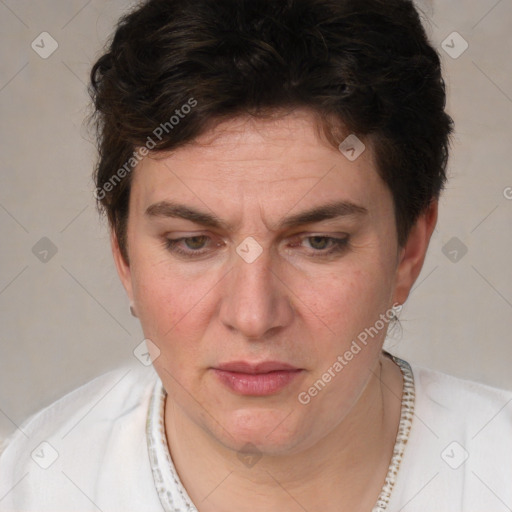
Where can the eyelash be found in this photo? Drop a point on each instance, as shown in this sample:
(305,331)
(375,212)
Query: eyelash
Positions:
(338,245)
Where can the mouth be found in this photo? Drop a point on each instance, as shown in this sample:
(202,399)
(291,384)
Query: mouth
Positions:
(259,379)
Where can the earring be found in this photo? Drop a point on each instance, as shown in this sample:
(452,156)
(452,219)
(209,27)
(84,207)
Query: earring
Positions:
(132,311)
(396,308)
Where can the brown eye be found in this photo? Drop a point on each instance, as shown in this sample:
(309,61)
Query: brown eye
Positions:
(195,242)
(326,245)
(319,242)
(193,245)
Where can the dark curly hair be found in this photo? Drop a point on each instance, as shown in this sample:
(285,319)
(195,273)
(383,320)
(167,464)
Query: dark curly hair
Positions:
(176,68)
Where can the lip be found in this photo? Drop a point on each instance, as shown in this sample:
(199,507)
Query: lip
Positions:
(258,379)
(255,368)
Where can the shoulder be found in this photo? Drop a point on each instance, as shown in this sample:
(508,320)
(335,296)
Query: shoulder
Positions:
(462,408)
(459,445)
(105,396)
(464,400)
(85,425)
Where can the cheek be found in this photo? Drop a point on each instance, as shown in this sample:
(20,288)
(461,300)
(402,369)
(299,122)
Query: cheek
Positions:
(349,305)
(171,308)
(350,299)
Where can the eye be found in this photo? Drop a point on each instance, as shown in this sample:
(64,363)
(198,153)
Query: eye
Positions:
(326,245)
(193,243)
(196,246)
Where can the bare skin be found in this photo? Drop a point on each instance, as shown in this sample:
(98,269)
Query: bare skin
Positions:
(294,303)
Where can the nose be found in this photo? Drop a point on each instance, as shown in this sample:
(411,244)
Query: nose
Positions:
(256,302)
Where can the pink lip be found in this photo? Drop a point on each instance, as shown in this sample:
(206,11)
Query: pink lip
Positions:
(256,379)
(264,367)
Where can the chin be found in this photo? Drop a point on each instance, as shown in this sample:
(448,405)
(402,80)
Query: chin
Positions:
(266,433)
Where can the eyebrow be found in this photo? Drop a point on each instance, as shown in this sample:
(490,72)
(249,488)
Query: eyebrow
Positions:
(327,211)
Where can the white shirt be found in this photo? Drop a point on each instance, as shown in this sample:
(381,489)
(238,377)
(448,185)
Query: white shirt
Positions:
(102,447)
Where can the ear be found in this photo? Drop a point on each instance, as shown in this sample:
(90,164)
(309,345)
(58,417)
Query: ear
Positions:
(412,255)
(123,267)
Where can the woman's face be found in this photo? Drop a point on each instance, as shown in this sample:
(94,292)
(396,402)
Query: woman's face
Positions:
(252,286)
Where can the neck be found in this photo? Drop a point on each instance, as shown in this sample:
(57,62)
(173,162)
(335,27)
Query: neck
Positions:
(344,470)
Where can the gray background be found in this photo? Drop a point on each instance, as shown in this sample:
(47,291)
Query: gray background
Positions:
(66,319)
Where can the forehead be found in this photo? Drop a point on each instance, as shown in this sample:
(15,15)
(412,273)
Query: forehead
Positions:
(296,136)
(272,161)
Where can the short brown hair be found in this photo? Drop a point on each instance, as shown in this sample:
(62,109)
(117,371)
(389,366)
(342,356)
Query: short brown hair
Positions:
(366,63)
